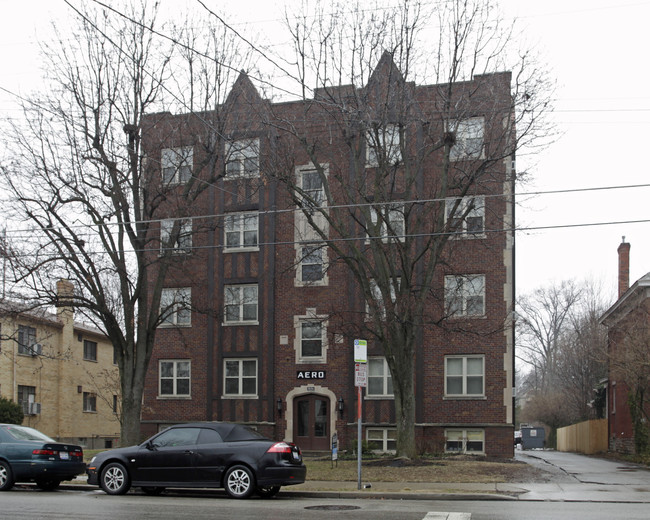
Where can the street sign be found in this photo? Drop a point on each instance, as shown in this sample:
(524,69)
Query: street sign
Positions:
(360,374)
(360,351)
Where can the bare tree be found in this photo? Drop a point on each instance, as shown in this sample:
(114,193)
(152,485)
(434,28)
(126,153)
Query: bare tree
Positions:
(542,320)
(405,195)
(92,201)
(563,344)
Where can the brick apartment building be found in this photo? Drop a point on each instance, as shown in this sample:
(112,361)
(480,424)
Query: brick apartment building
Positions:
(627,339)
(62,372)
(261,324)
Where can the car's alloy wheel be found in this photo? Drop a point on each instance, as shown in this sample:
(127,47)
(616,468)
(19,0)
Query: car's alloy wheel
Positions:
(240,482)
(268,491)
(6,476)
(115,479)
(49,484)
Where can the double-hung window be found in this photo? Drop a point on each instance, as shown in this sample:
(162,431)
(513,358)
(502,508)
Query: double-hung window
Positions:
(181,232)
(89,402)
(240,303)
(387,222)
(465,295)
(175,307)
(380,382)
(243,159)
(469,138)
(311,184)
(177,164)
(90,350)
(240,377)
(383,146)
(465,441)
(174,378)
(466,215)
(241,231)
(26,340)
(382,439)
(27,398)
(311,265)
(464,376)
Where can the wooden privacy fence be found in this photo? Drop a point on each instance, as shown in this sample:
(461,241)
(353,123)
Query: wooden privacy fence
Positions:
(586,437)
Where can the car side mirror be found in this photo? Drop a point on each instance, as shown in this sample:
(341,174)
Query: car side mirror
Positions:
(150,446)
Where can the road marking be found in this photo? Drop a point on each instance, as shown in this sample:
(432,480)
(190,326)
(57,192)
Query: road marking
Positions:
(447,516)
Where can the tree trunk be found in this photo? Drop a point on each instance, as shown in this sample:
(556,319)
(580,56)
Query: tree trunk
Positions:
(404,391)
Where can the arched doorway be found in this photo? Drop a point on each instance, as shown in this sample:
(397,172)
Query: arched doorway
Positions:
(311,422)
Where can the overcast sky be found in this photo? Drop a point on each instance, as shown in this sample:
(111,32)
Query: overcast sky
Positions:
(596,49)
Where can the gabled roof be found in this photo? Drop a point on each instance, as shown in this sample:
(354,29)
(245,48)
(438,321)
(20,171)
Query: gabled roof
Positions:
(639,291)
(388,93)
(15,309)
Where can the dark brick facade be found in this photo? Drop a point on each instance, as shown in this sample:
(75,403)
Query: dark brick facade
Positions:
(271,340)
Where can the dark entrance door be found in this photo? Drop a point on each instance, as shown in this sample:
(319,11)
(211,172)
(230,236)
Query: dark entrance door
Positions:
(311,422)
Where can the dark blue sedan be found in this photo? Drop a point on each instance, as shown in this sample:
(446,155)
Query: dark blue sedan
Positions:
(27,455)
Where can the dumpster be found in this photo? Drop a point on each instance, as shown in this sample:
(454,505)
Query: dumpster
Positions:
(532,438)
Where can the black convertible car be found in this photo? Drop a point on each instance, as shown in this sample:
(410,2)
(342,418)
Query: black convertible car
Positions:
(206,454)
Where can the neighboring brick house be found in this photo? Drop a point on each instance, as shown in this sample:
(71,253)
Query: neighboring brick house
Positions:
(251,335)
(628,334)
(61,372)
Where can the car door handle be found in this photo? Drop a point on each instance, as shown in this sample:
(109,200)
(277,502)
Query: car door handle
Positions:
(189,452)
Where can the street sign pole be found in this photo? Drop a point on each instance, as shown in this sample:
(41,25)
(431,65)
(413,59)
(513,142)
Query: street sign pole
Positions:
(359,440)
(360,380)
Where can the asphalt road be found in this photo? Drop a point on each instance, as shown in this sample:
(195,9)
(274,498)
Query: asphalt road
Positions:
(24,503)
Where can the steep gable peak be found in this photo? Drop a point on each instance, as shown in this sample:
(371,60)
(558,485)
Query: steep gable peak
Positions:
(243,91)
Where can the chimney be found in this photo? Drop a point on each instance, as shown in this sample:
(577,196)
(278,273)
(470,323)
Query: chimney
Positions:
(623,267)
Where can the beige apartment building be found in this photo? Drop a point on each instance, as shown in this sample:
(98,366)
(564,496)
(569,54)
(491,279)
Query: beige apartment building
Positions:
(61,372)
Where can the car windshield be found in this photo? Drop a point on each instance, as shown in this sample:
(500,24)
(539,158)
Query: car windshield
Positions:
(24,433)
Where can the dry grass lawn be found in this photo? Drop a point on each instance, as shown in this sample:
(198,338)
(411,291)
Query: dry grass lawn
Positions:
(458,469)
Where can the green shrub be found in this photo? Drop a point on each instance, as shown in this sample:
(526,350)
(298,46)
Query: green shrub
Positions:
(10,412)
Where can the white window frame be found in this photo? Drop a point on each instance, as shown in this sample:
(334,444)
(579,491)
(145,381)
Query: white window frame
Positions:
(180,160)
(385,377)
(242,297)
(470,139)
(175,377)
(388,435)
(243,226)
(463,294)
(177,302)
(467,373)
(393,215)
(310,318)
(243,159)
(389,142)
(309,255)
(463,436)
(465,214)
(240,377)
(183,242)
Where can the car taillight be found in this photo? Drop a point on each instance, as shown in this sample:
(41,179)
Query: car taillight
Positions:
(78,453)
(43,452)
(279,447)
